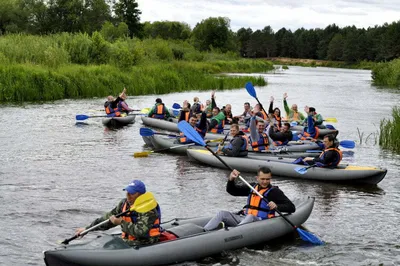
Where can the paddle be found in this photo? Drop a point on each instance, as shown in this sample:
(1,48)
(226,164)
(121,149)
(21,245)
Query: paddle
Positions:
(193,135)
(303,170)
(147,132)
(144,111)
(146,153)
(250,90)
(143,203)
(176,106)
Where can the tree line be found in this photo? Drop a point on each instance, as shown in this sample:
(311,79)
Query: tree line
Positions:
(350,44)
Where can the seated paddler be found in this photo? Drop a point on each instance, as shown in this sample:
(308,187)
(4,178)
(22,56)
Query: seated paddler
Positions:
(200,125)
(141,224)
(159,110)
(237,146)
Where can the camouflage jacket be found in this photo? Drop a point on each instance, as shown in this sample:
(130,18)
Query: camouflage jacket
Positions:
(139,230)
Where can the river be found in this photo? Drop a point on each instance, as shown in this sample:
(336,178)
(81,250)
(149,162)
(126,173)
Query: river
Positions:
(56,176)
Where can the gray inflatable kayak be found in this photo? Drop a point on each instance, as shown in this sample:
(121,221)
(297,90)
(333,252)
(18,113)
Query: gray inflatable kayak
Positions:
(118,121)
(191,244)
(283,167)
(322,131)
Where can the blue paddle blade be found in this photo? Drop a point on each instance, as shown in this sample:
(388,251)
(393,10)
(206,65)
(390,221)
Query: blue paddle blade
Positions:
(190,132)
(146,132)
(250,89)
(349,144)
(307,236)
(176,106)
(175,112)
(81,117)
(301,170)
(330,127)
(314,151)
(293,123)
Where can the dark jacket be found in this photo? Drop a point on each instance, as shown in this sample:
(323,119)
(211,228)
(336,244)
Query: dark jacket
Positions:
(279,136)
(237,143)
(276,195)
(330,157)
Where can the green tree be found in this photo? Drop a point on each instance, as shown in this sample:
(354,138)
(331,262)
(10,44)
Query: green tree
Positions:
(65,15)
(167,30)
(112,33)
(95,14)
(213,33)
(243,37)
(335,48)
(127,11)
(269,42)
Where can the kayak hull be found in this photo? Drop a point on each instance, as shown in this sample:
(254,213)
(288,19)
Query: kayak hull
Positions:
(118,121)
(284,167)
(192,242)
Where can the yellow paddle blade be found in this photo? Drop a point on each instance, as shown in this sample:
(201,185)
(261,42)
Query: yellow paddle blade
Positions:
(145,110)
(216,140)
(330,119)
(144,203)
(141,154)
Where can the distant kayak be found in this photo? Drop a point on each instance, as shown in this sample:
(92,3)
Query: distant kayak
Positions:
(118,121)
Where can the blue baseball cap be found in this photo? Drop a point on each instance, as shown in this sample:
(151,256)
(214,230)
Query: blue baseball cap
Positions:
(136,186)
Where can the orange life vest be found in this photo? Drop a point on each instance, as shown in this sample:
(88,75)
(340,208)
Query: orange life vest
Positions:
(308,135)
(257,206)
(154,231)
(261,144)
(218,128)
(333,163)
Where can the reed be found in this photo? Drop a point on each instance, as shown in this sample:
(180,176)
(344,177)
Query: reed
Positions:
(390,132)
(24,82)
(387,74)
(52,67)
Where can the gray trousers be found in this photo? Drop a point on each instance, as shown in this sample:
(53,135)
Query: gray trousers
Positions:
(230,219)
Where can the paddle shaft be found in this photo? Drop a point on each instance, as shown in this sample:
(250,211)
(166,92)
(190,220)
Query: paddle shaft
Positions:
(175,147)
(247,184)
(66,241)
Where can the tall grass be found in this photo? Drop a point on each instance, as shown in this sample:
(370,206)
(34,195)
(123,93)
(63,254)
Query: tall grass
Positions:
(25,82)
(390,132)
(387,74)
(41,68)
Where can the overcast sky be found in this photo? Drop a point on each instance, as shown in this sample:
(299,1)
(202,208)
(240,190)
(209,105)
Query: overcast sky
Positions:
(291,14)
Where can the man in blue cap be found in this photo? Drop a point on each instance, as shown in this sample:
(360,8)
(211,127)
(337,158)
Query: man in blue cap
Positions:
(137,227)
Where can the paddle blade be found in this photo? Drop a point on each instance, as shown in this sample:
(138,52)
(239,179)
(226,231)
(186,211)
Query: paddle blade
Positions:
(145,110)
(141,154)
(301,170)
(309,237)
(144,203)
(293,123)
(330,126)
(250,89)
(349,144)
(175,112)
(190,132)
(146,132)
(331,119)
(176,106)
(81,117)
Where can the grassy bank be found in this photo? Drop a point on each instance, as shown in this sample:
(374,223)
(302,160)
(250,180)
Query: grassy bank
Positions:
(390,132)
(321,63)
(387,74)
(42,68)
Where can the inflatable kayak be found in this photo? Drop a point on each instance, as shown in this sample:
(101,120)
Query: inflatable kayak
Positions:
(284,167)
(118,121)
(191,242)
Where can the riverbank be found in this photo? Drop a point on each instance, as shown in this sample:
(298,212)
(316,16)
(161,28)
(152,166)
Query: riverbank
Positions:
(74,66)
(320,63)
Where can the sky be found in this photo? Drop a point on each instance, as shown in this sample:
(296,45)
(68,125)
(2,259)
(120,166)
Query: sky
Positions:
(291,14)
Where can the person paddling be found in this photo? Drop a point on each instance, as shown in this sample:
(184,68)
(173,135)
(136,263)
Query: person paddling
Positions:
(159,110)
(256,209)
(137,228)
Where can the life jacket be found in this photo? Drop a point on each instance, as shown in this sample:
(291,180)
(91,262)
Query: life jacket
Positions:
(278,123)
(294,116)
(262,114)
(219,128)
(184,139)
(245,143)
(187,116)
(132,218)
(159,111)
(332,164)
(257,206)
(111,112)
(262,143)
(306,135)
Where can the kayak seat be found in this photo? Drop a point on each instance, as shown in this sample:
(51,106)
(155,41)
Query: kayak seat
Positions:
(186,230)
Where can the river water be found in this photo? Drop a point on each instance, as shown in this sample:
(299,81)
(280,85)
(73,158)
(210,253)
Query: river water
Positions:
(56,175)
